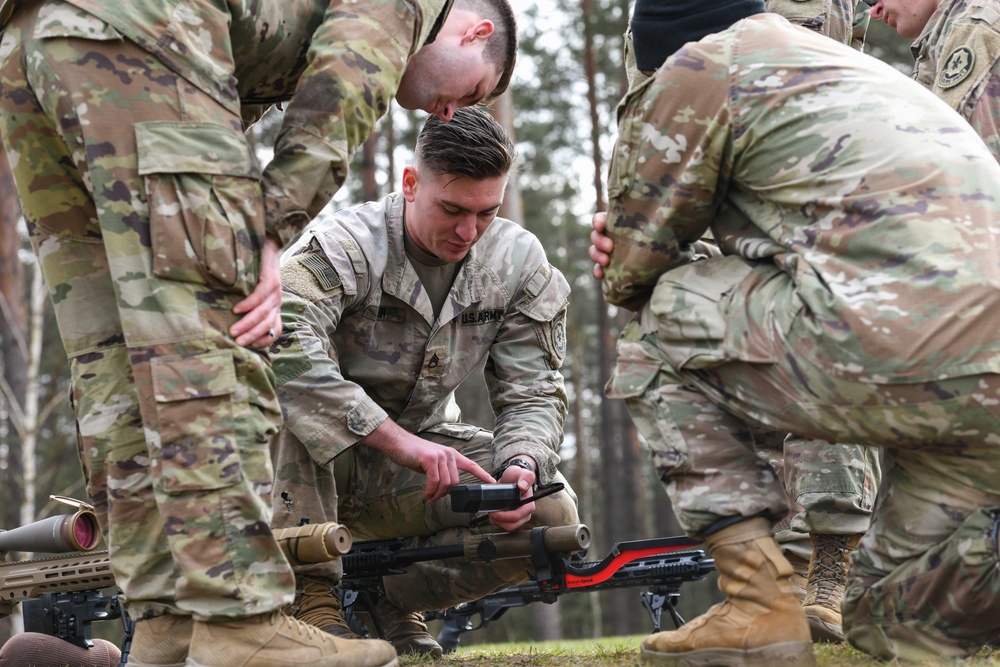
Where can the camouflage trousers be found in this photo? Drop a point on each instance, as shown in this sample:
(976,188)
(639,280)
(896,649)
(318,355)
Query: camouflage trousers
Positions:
(831,488)
(145,211)
(925,581)
(377,499)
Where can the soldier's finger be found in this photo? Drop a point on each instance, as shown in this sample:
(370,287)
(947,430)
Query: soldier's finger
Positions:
(470,466)
(268,286)
(433,473)
(269,336)
(599,221)
(257,325)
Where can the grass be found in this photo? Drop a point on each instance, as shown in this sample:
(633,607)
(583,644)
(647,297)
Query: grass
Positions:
(624,652)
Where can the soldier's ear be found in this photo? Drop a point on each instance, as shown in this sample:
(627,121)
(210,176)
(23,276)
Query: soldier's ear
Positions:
(409,183)
(480,29)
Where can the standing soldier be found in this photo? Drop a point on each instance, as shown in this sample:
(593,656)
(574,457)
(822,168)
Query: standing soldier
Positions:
(158,236)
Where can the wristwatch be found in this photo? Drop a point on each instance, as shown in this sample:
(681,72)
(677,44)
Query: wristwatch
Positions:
(516,463)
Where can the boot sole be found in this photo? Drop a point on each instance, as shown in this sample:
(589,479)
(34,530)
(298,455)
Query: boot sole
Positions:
(825,632)
(192,663)
(132,662)
(793,654)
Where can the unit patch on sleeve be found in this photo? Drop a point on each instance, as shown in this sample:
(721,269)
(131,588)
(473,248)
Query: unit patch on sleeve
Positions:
(956,67)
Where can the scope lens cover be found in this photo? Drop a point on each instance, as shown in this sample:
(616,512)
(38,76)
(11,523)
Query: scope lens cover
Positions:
(85,530)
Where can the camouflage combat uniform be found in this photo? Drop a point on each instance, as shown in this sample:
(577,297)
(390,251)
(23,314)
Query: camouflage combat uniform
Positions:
(831,487)
(858,300)
(123,122)
(957,57)
(361,345)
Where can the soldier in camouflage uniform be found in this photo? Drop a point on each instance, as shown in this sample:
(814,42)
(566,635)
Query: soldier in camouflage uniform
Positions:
(831,487)
(956,55)
(388,308)
(855,299)
(158,236)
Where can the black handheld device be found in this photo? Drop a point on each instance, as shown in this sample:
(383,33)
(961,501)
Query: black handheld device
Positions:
(484,497)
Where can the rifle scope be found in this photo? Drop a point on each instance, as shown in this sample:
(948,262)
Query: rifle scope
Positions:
(554,539)
(56,534)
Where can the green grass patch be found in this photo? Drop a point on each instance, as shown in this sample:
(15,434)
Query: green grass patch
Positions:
(624,652)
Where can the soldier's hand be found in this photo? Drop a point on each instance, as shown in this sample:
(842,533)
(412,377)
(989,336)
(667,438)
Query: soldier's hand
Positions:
(525,480)
(440,463)
(260,323)
(601,245)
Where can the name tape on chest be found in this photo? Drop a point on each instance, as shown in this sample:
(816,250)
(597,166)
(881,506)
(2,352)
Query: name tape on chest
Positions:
(476,317)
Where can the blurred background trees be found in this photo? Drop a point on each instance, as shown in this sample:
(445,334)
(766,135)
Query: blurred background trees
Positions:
(561,112)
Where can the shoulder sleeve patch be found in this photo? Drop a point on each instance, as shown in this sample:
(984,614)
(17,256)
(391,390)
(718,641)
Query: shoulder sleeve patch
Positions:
(310,276)
(325,274)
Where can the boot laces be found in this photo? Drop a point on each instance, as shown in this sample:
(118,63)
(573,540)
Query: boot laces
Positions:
(828,571)
(303,629)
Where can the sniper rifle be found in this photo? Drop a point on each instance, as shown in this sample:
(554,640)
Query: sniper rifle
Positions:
(661,565)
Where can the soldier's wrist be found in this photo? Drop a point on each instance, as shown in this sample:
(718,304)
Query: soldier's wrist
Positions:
(519,461)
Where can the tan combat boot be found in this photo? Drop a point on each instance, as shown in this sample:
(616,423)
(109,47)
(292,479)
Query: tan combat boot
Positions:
(825,586)
(161,641)
(406,631)
(800,573)
(316,603)
(277,640)
(760,624)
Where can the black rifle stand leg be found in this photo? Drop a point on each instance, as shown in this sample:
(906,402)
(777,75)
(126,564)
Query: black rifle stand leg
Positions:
(654,603)
(128,631)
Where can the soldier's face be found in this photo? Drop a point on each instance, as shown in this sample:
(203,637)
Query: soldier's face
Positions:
(450,72)
(447,214)
(907,17)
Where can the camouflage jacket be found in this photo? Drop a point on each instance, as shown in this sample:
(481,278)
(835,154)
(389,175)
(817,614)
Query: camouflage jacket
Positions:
(337,63)
(875,200)
(957,57)
(362,344)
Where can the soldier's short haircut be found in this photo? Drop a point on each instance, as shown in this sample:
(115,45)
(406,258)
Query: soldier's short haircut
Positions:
(501,48)
(472,144)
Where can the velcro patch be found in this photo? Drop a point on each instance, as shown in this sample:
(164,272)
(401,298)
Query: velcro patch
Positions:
(319,266)
(386,313)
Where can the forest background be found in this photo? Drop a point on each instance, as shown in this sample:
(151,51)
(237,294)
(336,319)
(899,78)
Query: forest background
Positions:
(561,111)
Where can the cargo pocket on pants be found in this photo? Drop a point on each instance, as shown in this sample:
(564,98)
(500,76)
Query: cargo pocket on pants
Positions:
(206,212)
(195,420)
(689,303)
